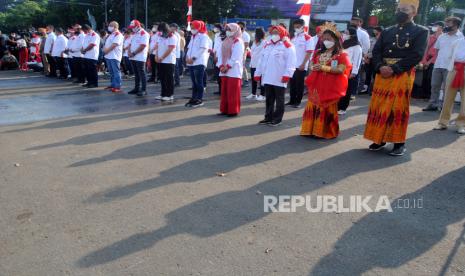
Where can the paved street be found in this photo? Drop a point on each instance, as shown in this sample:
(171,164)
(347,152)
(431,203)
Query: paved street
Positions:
(95,183)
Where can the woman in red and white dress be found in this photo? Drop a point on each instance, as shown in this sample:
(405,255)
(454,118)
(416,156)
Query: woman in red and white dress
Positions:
(231,58)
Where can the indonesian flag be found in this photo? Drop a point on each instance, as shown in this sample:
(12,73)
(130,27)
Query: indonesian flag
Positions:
(305,11)
(189,14)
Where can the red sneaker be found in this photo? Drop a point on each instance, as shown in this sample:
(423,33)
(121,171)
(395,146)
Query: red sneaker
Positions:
(116,90)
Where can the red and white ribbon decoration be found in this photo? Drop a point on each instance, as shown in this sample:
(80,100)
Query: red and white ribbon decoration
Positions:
(305,11)
(189,14)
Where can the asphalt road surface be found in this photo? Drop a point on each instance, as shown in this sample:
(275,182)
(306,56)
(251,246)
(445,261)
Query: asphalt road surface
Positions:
(95,183)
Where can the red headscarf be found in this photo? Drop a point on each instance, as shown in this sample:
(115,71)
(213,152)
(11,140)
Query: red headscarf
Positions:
(281,31)
(200,26)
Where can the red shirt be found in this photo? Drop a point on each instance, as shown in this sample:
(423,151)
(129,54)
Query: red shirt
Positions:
(431,53)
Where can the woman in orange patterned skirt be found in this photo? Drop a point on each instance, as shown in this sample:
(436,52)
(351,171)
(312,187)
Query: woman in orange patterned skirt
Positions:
(326,84)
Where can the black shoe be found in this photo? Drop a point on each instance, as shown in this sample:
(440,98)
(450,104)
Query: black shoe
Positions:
(217,93)
(264,122)
(221,114)
(133,92)
(232,115)
(274,124)
(376,147)
(398,150)
(91,86)
(151,79)
(190,103)
(296,106)
(197,103)
(430,108)
(288,103)
(141,94)
(62,78)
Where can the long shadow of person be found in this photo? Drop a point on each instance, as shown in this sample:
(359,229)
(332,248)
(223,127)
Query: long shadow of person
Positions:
(199,169)
(391,239)
(229,210)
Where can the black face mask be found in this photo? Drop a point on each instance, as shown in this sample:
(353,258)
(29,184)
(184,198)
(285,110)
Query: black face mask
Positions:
(448,29)
(401,17)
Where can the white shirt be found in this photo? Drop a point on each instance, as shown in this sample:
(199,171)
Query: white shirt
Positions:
(246,37)
(277,61)
(153,41)
(198,49)
(303,44)
(164,44)
(49,43)
(76,45)
(235,62)
(138,39)
(364,39)
(444,47)
(115,38)
(178,45)
(60,45)
(217,43)
(35,44)
(355,54)
(126,45)
(93,39)
(257,51)
(458,53)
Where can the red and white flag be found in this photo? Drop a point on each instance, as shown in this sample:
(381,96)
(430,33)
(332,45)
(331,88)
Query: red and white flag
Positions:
(189,14)
(305,11)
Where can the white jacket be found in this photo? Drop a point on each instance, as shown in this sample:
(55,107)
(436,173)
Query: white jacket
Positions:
(355,56)
(235,62)
(278,61)
(198,48)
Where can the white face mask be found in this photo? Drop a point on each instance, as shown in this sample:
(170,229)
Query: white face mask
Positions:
(194,32)
(345,37)
(329,44)
(434,29)
(229,33)
(111,29)
(299,30)
(154,29)
(215,30)
(275,38)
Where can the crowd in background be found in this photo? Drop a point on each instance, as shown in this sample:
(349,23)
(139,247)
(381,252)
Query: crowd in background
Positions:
(271,60)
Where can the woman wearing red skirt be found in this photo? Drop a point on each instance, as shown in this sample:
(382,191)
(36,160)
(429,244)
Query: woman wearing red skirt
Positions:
(327,83)
(23,54)
(231,58)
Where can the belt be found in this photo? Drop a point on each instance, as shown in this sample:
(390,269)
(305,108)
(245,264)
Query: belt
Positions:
(391,61)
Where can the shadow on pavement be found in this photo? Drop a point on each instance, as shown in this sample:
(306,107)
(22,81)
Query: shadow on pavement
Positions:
(229,210)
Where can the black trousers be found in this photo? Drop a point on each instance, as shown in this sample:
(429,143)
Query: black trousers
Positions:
(62,64)
(274,103)
(255,83)
(53,65)
(297,86)
(351,90)
(218,79)
(140,80)
(167,79)
(155,69)
(78,69)
(90,71)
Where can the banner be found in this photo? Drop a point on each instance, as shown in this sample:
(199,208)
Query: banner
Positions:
(330,10)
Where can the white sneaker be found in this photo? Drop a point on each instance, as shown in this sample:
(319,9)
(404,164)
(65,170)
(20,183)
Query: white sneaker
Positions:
(461,130)
(166,99)
(158,97)
(172,98)
(250,97)
(341,112)
(260,98)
